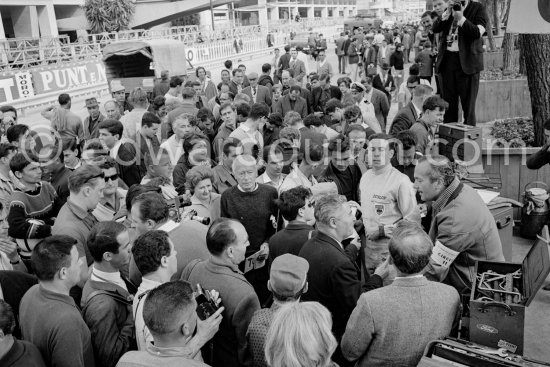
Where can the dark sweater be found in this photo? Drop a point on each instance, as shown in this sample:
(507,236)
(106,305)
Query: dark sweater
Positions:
(22,354)
(40,204)
(290,240)
(396,60)
(539,159)
(53,323)
(14,285)
(254,210)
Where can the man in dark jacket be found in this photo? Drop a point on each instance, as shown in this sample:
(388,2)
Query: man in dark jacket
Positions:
(13,352)
(227,241)
(334,278)
(284,61)
(384,82)
(408,115)
(265,78)
(110,135)
(106,300)
(542,157)
(460,56)
(346,176)
(296,206)
(323,93)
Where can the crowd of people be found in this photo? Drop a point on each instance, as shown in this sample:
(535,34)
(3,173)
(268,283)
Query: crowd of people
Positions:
(276,218)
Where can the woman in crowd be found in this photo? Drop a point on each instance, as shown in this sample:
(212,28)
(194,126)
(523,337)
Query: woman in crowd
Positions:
(195,153)
(208,88)
(300,336)
(344,84)
(204,201)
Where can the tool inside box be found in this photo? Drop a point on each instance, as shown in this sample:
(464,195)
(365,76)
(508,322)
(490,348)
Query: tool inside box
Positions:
(499,282)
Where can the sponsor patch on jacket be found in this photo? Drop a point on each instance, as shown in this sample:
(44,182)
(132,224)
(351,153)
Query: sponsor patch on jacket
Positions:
(379,209)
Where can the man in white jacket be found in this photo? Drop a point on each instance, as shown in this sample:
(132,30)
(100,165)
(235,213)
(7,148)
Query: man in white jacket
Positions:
(387,197)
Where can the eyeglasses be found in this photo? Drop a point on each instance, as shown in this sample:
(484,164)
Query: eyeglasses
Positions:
(99,175)
(112,177)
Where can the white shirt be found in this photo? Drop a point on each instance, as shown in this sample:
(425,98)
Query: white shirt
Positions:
(265,179)
(369,115)
(387,196)
(418,110)
(174,148)
(143,335)
(101,276)
(303,57)
(114,151)
(168,226)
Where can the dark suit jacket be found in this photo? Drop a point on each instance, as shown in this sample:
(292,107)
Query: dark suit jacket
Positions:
(404,119)
(290,240)
(315,97)
(262,94)
(283,106)
(298,70)
(305,94)
(381,107)
(127,168)
(377,83)
(334,279)
(233,88)
(283,63)
(470,41)
(340,46)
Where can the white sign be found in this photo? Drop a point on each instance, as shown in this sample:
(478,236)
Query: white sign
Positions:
(529,16)
(24,84)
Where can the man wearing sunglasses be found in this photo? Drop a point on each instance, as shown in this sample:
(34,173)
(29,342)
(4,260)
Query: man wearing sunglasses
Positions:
(112,205)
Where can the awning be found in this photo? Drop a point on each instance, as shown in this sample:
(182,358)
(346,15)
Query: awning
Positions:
(166,54)
(72,24)
(250,8)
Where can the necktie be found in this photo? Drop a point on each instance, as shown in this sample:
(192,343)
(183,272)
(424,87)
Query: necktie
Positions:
(292,63)
(254,94)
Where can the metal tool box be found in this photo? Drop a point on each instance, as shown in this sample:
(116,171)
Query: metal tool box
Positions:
(451,352)
(462,142)
(497,319)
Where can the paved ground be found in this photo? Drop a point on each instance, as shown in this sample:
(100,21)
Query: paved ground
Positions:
(33,118)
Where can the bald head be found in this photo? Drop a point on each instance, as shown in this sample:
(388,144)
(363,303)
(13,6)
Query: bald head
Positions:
(410,248)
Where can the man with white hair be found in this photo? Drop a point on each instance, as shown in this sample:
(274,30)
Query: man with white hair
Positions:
(112,110)
(334,278)
(252,204)
(421,310)
(462,229)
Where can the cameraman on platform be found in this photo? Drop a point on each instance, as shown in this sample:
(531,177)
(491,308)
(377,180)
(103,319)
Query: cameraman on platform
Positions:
(460,57)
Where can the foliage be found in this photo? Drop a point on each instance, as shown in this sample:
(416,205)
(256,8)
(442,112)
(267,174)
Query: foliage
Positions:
(499,74)
(191,19)
(518,131)
(108,15)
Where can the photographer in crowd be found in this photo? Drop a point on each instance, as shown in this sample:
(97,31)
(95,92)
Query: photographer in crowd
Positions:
(460,56)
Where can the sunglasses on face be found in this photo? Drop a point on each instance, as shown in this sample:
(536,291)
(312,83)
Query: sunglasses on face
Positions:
(112,177)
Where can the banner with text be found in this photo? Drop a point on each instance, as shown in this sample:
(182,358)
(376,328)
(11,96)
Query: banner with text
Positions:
(36,81)
(64,78)
(529,16)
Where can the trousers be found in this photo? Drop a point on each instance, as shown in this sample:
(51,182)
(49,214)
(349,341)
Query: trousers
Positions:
(456,84)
